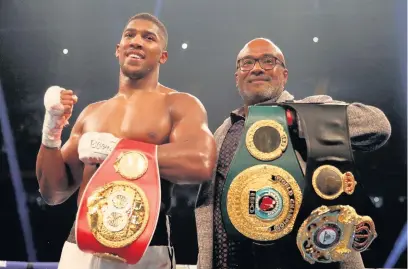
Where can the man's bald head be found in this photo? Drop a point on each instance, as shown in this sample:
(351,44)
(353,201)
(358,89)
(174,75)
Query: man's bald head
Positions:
(261,72)
(260,44)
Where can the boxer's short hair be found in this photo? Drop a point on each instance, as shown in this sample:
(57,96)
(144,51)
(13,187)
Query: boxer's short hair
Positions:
(155,20)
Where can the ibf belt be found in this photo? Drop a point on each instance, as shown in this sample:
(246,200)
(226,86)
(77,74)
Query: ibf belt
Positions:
(119,208)
(330,234)
(262,194)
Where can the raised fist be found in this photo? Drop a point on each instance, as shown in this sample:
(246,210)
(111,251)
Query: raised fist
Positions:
(59,104)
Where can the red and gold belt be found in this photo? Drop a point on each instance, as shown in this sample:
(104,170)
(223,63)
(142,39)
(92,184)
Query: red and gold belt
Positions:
(119,209)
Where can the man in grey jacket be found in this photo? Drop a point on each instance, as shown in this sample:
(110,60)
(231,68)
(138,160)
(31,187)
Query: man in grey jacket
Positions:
(261,75)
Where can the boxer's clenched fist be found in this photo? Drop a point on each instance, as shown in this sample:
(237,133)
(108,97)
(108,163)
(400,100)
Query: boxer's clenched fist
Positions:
(68,100)
(59,104)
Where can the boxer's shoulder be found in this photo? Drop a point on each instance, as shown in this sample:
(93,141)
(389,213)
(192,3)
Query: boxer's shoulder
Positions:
(96,105)
(88,110)
(184,101)
(166,90)
(93,107)
(177,98)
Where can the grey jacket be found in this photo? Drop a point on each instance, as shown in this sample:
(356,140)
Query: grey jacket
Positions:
(369,130)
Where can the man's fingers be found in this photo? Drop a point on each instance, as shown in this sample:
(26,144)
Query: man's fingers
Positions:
(66,118)
(67,97)
(67,102)
(67,109)
(67,92)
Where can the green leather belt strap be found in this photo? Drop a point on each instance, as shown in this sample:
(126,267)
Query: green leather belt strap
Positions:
(243,158)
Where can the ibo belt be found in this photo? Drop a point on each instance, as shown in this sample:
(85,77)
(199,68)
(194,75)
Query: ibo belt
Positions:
(119,209)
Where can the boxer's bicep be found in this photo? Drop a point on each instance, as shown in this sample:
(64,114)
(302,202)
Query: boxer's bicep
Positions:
(69,151)
(71,159)
(190,122)
(191,142)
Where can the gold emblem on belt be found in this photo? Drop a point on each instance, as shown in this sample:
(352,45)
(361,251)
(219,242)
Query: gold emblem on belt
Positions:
(117,213)
(263,202)
(329,183)
(266,140)
(131,164)
(329,234)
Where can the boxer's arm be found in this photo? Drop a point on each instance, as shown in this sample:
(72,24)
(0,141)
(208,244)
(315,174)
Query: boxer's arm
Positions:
(59,171)
(369,127)
(190,155)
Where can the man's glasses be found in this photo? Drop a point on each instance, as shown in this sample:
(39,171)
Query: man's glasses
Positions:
(266,63)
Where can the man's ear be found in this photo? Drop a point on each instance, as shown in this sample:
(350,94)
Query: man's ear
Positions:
(163,58)
(117,51)
(285,76)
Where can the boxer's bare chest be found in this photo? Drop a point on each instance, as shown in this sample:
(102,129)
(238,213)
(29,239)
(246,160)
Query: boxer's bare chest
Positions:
(144,117)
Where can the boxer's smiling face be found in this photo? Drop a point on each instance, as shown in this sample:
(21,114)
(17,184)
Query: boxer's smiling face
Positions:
(141,49)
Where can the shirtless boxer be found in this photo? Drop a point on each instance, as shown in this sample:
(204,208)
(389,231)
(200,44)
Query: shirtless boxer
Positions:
(142,110)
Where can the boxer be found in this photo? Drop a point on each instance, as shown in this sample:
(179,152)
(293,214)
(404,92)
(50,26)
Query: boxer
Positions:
(143,111)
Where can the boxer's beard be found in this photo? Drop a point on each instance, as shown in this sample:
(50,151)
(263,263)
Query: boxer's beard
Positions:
(268,93)
(135,75)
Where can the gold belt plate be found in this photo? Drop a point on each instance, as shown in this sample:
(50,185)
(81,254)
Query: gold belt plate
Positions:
(331,233)
(263,202)
(117,213)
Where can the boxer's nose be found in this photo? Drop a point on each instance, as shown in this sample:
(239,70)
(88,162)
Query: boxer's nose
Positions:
(137,42)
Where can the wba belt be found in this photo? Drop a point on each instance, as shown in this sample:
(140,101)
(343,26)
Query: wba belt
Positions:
(119,208)
(263,190)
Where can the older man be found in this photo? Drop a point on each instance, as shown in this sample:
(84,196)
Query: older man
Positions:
(261,75)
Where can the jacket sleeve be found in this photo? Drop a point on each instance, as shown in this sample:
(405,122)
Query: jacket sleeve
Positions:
(204,213)
(368,125)
(353,261)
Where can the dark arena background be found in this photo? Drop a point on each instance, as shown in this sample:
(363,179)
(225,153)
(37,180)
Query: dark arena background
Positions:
(352,50)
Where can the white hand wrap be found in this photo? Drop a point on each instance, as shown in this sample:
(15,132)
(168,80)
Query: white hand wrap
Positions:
(94,147)
(53,120)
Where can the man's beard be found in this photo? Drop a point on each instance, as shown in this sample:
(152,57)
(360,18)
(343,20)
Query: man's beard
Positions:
(139,74)
(268,93)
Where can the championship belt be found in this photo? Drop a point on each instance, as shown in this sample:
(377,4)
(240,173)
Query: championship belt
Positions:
(329,234)
(334,229)
(263,189)
(120,206)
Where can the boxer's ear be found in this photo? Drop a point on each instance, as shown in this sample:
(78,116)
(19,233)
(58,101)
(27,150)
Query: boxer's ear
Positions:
(117,51)
(163,58)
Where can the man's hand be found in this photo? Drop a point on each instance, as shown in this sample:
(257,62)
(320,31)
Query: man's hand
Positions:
(59,104)
(94,147)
